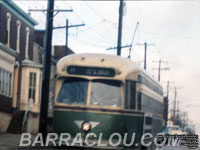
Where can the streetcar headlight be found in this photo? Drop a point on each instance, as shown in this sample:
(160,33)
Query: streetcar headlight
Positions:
(86,126)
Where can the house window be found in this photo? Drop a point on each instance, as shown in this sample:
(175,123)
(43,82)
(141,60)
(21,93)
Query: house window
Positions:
(5,82)
(9,85)
(8,17)
(18,36)
(32,85)
(27,42)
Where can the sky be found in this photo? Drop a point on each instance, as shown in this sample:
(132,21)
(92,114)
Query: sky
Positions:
(171,28)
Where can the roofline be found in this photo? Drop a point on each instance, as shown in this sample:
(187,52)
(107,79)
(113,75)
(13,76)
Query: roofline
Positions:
(13,7)
(132,70)
(148,74)
(40,31)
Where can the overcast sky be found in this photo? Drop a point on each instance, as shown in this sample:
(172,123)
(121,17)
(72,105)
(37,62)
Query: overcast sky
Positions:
(172,26)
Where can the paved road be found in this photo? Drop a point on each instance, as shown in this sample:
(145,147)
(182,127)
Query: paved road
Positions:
(174,148)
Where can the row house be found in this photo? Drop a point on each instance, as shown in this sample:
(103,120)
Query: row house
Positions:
(20,76)
(21,59)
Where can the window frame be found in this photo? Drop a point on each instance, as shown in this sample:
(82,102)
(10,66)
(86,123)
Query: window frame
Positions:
(32,86)
(62,79)
(128,102)
(5,82)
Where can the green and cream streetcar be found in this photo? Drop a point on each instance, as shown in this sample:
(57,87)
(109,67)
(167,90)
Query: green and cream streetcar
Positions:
(106,94)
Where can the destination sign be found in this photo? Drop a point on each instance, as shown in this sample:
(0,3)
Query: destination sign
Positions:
(91,71)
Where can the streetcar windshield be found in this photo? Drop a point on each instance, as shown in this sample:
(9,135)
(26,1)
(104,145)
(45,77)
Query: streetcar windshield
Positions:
(73,91)
(102,92)
(106,93)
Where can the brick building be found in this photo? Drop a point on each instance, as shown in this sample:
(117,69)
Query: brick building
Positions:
(21,59)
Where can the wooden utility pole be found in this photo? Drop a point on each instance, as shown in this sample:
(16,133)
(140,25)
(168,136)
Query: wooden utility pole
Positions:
(119,40)
(174,112)
(166,104)
(145,53)
(175,99)
(159,68)
(46,71)
(56,12)
(67,28)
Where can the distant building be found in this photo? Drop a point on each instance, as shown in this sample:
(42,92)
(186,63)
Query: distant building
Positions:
(21,59)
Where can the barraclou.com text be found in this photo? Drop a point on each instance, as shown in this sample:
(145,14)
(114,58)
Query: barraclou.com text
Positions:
(115,139)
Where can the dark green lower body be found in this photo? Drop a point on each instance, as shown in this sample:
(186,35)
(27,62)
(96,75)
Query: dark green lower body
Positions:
(64,122)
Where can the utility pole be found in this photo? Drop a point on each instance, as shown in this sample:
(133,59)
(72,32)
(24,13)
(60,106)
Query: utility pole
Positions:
(166,104)
(168,85)
(47,64)
(119,40)
(174,113)
(57,11)
(145,52)
(178,111)
(184,119)
(174,109)
(159,68)
(67,28)
(111,48)
(46,71)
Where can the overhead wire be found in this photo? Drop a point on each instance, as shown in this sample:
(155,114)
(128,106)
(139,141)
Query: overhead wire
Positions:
(104,33)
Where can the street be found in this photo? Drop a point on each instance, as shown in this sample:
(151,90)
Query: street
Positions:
(173,148)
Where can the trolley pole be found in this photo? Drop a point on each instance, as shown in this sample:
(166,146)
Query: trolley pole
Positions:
(119,40)
(46,71)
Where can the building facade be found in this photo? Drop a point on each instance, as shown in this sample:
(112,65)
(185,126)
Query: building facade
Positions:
(21,59)
(19,75)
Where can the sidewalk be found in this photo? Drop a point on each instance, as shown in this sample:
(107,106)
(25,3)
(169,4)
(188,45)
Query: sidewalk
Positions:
(9,140)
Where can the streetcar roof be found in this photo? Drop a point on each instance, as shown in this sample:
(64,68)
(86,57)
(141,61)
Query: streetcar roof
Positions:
(123,65)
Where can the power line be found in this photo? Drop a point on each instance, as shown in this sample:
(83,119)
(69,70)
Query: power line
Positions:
(171,36)
(92,26)
(98,14)
(106,32)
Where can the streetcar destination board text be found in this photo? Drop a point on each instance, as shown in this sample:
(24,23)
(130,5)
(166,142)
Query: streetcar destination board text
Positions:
(91,71)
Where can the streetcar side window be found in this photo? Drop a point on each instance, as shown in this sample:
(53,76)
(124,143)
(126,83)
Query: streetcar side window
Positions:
(139,101)
(127,95)
(73,91)
(130,92)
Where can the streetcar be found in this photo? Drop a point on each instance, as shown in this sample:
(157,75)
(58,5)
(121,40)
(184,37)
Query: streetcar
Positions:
(105,94)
